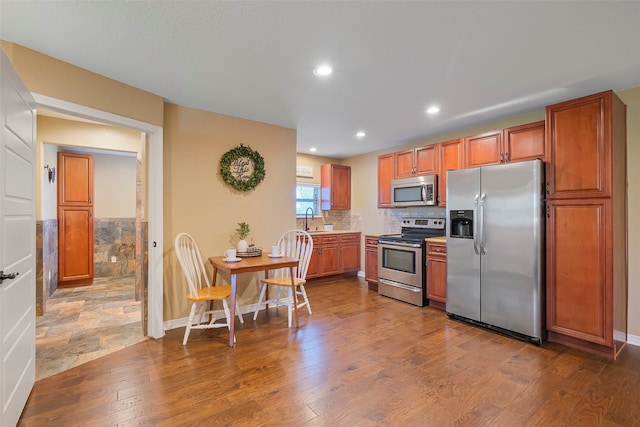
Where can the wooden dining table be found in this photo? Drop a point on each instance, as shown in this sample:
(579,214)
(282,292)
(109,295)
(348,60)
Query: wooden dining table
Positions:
(250,265)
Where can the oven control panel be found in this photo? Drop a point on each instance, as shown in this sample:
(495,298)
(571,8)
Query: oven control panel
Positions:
(435,223)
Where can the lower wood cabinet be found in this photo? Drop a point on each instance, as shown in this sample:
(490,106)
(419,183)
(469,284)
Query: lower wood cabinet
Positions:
(371,262)
(334,254)
(437,274)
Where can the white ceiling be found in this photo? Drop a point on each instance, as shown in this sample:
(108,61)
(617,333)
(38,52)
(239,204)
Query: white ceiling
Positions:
(478,60)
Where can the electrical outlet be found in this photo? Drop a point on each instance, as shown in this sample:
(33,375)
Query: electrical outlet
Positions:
(113,259)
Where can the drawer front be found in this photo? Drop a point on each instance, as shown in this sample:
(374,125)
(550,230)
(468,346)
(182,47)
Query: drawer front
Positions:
(371,241)
(327,240)
(349,238)
(436,250)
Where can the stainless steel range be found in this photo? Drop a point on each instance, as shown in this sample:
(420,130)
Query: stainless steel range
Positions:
(402,260)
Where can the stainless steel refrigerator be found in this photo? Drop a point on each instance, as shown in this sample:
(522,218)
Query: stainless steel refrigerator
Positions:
(495,247)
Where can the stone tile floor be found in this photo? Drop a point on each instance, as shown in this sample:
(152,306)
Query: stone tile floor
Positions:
(86,322)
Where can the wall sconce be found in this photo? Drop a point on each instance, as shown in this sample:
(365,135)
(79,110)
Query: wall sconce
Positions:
(51,172)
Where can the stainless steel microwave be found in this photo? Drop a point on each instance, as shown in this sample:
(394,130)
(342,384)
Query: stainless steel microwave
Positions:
(414,191)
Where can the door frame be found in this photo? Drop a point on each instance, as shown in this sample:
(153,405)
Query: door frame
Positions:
(155,325)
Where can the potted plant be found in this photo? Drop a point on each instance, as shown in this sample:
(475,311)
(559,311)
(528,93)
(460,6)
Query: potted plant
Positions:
(243,232)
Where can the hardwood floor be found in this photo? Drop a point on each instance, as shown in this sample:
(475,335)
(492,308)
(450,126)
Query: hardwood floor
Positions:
(359,359)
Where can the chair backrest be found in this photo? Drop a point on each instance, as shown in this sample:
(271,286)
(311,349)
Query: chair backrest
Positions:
(296,243)
(191,262)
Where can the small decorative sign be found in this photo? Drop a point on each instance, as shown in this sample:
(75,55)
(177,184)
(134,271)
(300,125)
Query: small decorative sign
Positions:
(242,168)
(304,172)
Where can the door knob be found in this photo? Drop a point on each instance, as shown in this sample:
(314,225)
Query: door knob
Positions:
(9,276)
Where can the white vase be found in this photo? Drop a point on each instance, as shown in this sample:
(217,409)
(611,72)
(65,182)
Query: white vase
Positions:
(243,246)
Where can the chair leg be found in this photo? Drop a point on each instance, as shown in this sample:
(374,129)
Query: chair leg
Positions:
(292,300)
(227,313)
(260,300)
(306,300)
(189,323)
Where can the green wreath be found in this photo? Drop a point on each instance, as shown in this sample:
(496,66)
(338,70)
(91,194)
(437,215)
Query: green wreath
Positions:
(242,168)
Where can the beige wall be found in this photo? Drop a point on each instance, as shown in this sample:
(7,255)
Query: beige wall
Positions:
(115,185)
(198,202)
(631,97)
(48,76)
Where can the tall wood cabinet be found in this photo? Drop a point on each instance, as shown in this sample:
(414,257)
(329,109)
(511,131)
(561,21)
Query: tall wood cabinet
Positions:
(385,175)
(75,219)
(450,157)
(335,187)
(586,223)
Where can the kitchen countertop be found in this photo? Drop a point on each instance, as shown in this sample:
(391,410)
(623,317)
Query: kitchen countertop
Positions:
(441,239)
(312,232)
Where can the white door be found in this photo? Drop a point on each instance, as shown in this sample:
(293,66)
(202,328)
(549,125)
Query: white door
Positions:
(17,243)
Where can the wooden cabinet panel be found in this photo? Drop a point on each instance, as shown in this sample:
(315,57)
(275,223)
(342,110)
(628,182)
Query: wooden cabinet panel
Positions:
(371,262)
(450,157)
(385,175)
(415,162)
(579,143)
(578,269)
(437,274)
(75,179)
(403,164)
(525,142)
(425,160)
(75,219)
(484,149)
(75,258)
(334,254)
(335,187)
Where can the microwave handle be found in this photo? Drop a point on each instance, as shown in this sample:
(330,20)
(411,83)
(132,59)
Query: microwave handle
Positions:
(424,193)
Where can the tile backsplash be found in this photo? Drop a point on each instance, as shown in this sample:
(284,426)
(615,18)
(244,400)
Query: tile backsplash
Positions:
(341,220)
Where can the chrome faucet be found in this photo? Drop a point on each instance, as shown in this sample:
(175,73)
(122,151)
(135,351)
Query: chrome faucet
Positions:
(306,225)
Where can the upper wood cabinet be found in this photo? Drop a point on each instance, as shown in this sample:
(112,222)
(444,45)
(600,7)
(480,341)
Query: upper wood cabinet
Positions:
(579,140)
(335,187)
(514,144)
(483,149)
(450,157)
(415,162)
(75,179)
(385,175)
(525,142)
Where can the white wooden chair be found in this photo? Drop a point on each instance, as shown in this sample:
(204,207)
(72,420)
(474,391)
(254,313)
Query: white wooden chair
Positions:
(201,293)
(295,244)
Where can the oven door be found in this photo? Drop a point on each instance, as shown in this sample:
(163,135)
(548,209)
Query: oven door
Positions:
(401,271)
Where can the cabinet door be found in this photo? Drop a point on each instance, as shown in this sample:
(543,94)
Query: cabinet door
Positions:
(579,144)
(75,179)
(484,149)
(403,164)
(349,257)
(75,261)
(425,160)
(335,183)
(371,265)
(579,301)
(330,260)
(385,175)
(450,158)
(524,142)
(314,263)
(437,280)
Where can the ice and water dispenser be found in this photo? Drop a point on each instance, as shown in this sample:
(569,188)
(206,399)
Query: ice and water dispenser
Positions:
(461,223)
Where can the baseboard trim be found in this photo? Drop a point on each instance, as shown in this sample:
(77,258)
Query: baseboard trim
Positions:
(633,340)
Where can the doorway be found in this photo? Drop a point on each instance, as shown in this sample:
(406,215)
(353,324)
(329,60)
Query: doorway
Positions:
(152,298)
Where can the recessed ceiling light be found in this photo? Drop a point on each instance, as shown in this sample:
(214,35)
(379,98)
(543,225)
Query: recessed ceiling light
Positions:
(322,70)
(433,110)
(360,134)
(313,149)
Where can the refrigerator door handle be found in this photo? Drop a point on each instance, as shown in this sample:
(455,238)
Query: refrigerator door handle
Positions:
(481,237)
(475,225)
